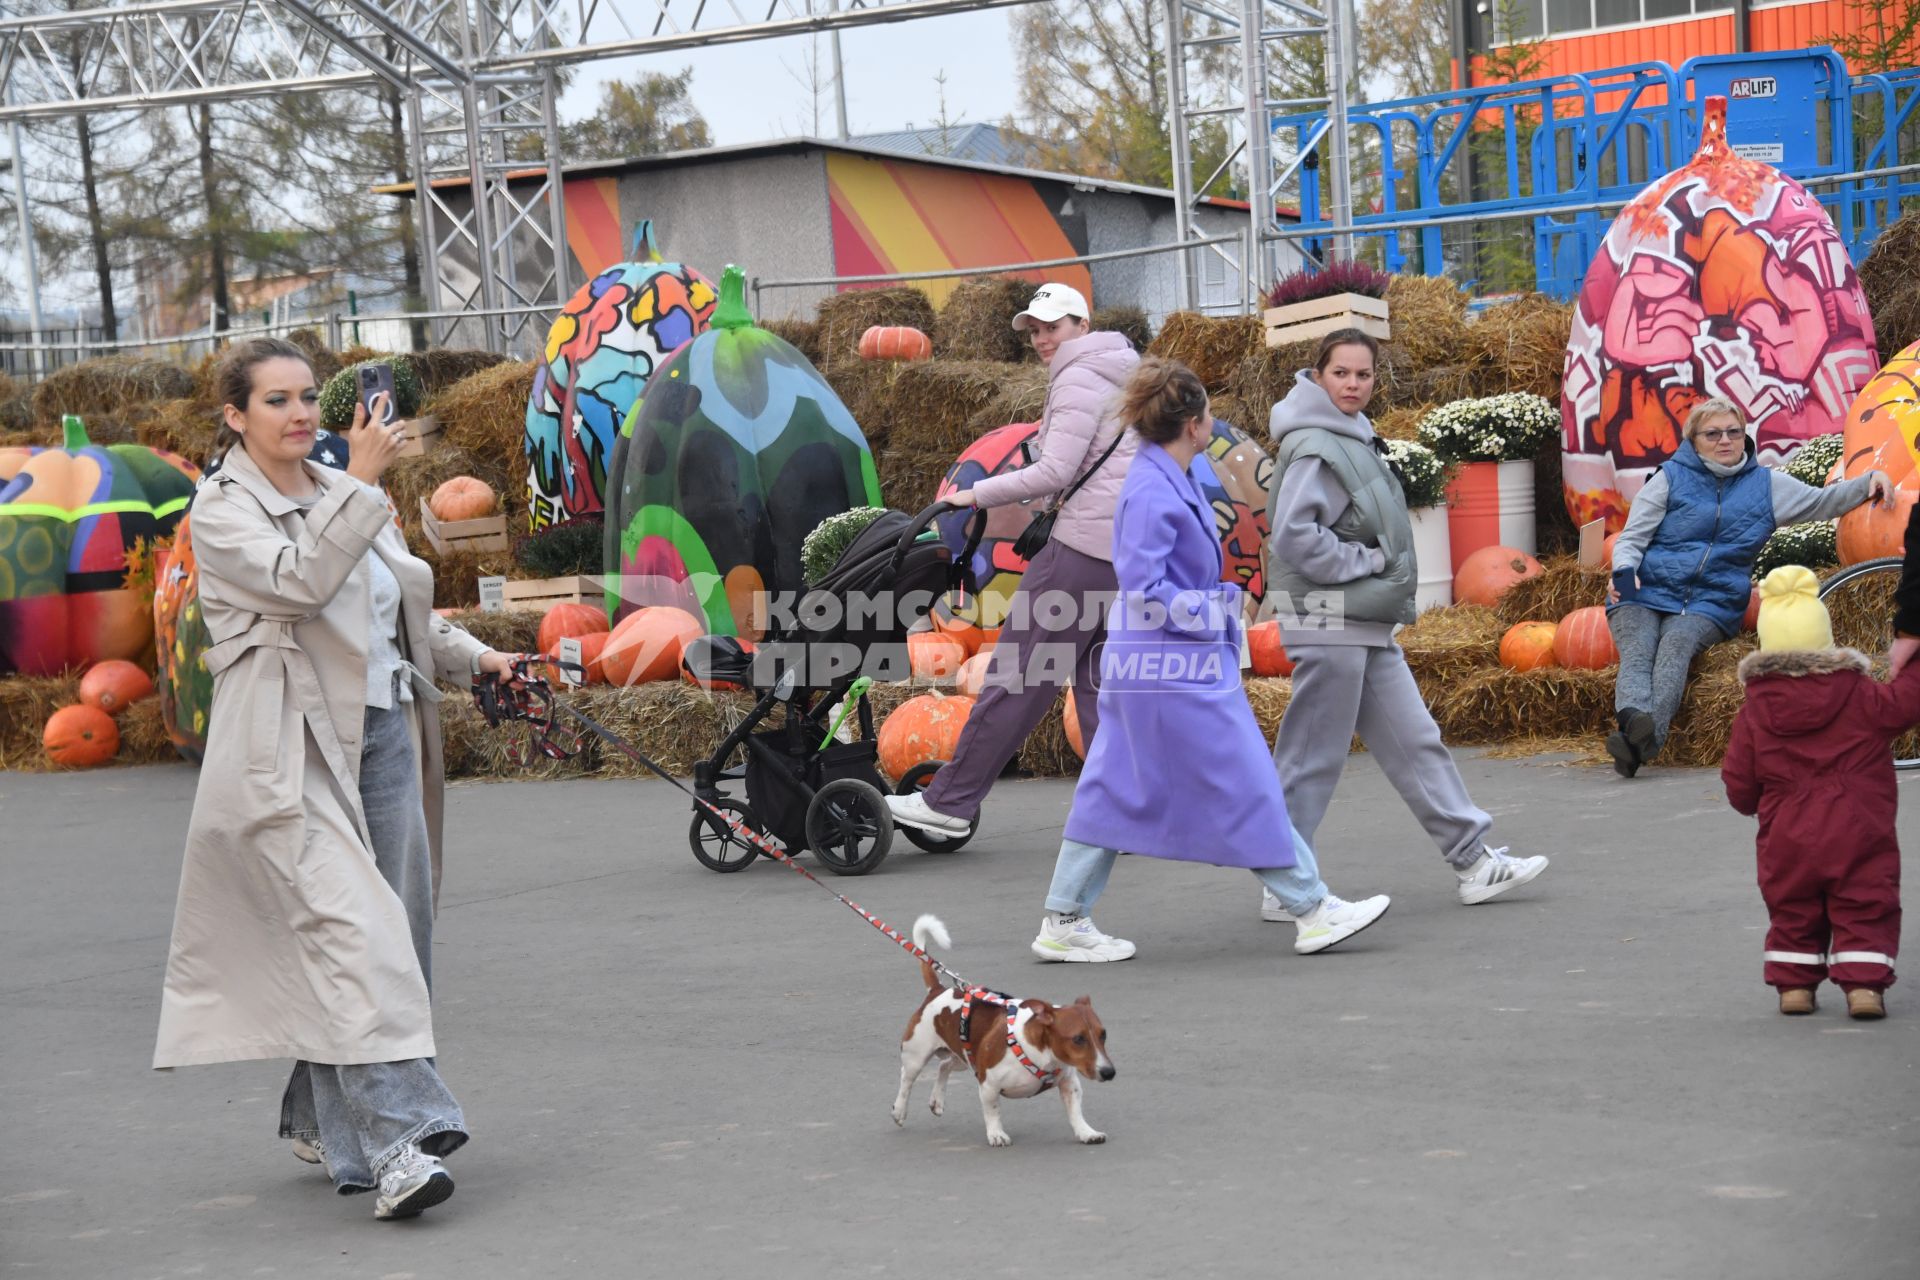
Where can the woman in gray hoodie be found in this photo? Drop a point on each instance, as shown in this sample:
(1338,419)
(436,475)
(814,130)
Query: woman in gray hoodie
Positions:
(1342,577)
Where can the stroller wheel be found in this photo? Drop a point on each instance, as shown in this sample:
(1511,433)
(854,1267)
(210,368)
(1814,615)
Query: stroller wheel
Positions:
(849,827)
(916,779)
(717,845)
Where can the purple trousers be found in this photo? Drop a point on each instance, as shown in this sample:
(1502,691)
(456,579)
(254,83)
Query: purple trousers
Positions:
(1055,622)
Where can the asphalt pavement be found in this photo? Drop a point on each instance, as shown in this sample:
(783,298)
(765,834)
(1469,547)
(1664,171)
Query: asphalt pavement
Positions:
(670,1072)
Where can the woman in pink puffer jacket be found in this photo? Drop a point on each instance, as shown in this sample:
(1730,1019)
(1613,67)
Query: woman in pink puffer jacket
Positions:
(1058,616)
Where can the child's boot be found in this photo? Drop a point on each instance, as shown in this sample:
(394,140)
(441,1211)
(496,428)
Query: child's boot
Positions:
(1797,1000)
(1864,1003)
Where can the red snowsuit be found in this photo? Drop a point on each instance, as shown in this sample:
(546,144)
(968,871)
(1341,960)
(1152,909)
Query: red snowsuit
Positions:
(1811,755)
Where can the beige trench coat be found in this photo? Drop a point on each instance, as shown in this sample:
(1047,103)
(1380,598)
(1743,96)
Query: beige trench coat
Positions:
(287,942)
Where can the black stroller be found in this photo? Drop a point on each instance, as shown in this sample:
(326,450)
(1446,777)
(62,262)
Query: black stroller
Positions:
(804,785)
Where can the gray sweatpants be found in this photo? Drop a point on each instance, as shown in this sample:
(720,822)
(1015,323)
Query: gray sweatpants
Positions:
(1656,652)
(1340,690)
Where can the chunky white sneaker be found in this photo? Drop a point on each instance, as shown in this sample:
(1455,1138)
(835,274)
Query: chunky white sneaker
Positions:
(310,1150)
(1495,874)
(1334,921)
(1272,910)
(913,811)
(414,1182)
(1078,941)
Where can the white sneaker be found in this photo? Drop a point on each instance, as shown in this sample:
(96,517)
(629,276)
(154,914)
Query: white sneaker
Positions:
(1078,941)
(1273,910)
(912,811)
(1496,873)
(1334,921)
(310,1150)
(414,1182)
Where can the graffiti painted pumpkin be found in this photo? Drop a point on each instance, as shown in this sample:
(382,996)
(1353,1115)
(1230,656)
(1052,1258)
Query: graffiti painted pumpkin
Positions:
(1883,434)
(736,452)
(180,642)
(68,518)
(607,342)
(1724,278)
(1235,475)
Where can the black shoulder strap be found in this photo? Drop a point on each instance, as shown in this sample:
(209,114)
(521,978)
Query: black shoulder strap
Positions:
(1088,473)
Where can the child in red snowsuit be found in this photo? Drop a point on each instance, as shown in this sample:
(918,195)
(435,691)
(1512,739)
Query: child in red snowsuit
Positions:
(1811,755)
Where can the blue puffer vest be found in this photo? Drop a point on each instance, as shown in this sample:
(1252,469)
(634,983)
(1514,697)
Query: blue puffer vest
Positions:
(1701,557)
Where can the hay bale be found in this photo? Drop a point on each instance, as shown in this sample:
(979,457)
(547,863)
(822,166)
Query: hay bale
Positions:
(1890,277)
(1212,347)
(486,414)
(671,722)
(16,412)
(456,575)
(1862,611)
(143,735)
(1130,323)
(1244,414)
(442,368)
(185,427)
(107,387)
(25,704)
(1264,378)
(410,479)
(802,335)
(1557,590)
(977,321)
(1521,346)
(845,316)
(1401,422)
(1429,319)
(509,630)
(1554,532)
(1704,721)
(938,407)
(1498,705)
(865,387)
(1447,644)
(325,363)
(1442,384)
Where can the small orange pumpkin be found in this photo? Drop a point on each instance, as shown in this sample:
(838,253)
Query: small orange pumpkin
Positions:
(968,635)
(934,656)
(80,737)
(1268,654)
(894,342)
(922,729)
(1751,618)
(570,622)
(972,676)
(1607,550)
(1071,715)
(1583,641)
(463,498)
(647,645)
(113,685)
(592,646)
(1486,574)
(1528,646)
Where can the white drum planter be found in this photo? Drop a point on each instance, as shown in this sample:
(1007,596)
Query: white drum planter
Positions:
(1490,504)
(1432,547)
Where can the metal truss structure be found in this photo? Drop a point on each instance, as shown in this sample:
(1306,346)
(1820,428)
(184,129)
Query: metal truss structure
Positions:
(1251,29)
(480,78)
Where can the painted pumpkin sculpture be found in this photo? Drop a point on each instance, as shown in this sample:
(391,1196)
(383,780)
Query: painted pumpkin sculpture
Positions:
(180,641)
(1235,475)
(1883,434)
(1724,278)
(737,451)
(607,342)
(68,517)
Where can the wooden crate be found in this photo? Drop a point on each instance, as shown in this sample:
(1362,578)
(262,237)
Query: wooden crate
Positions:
(542,594)
(488,533)
(1305,321)
(422,435)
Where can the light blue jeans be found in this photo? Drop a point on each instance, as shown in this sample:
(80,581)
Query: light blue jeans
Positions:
(1080,877)
(367,1114)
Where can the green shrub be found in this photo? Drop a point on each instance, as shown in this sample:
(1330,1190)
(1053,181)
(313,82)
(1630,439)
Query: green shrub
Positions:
(338,396)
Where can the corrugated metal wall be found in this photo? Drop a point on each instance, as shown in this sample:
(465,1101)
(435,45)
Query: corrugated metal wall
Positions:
(1774,27)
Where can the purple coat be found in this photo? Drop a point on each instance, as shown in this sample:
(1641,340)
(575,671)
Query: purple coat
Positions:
(1179,768)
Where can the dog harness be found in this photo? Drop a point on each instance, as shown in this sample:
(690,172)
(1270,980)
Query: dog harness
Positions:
(1047,1079)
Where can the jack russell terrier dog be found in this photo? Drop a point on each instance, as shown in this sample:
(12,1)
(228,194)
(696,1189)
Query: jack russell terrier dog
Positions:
(1016,1048)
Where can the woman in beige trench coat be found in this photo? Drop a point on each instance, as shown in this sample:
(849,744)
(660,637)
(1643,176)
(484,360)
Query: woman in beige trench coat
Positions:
(313,853)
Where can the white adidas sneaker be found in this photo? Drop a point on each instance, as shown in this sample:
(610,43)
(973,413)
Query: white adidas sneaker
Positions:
(1495,873)
(1079,942)
(1335,920)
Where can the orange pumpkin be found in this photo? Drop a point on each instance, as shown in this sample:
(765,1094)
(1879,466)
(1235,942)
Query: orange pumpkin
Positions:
(1607,550)
(592,646)
(1882,434)
(1583,641)
(922,729)
(80,737)
(1486,574)
(647,645)
(1527,646)
(894,342)
(934,656)
(1072,717)
(1268,655)
(570,622)
(972,677)
(113,685)
(989,637)
(968,635)
(463,498)
(1751,618)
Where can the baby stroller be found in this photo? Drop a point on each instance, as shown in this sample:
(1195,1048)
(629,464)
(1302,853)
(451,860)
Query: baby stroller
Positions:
(804,785)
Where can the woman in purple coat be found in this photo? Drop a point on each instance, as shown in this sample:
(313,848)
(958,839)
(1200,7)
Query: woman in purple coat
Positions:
(1180,769)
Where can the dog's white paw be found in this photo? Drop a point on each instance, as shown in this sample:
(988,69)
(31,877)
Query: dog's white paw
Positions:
(938,1107)
(1001,1139)
(1092,1137)
(900,1116)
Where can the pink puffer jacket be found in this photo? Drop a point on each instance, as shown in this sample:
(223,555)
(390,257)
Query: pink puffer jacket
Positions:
(1083,395)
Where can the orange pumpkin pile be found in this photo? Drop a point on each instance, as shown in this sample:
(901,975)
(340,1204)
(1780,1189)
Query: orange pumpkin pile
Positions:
(922,729)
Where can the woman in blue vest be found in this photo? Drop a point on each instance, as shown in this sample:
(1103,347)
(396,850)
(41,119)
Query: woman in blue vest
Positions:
(1683,566)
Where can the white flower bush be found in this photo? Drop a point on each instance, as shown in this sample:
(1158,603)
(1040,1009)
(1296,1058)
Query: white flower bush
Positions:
(1422,475)
(1503,428)
(1812,461)
(830,538)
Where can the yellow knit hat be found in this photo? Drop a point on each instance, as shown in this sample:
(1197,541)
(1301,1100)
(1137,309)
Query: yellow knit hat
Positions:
(1791,615)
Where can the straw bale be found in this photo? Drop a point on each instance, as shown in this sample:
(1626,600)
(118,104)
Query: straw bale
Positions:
(909,479)
(26,439)
(115,428)
(408,480)
(1447,644)
(8,387)
(865,387)
(1396,380)
(359,354)
(325,363)
(186,427)
(1862,612)
(509,630)
(442,368)
(1557,590)
(802,335)
(1265,377)
(143,735)
(16,411)
(1401,422)
(107,386)
(1429,319)
(473,749)
(1212,347)
(1554,532)
(1890,277)
(671,722)
(845,316)
(1498,705)
(977,321)
(1440,384)
(1130,323)
(1244,414)
(486,413)
(456,576)
(1522,345)
(1705,720)
(25,704)
(937,405)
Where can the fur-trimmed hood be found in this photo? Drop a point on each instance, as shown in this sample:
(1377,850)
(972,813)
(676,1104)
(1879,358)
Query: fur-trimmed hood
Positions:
(1802,662)
(1794,693)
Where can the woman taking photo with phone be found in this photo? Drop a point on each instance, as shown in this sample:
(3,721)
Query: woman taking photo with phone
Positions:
(305,918)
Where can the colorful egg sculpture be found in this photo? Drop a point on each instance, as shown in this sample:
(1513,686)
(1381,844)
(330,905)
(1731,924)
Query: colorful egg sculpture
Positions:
(180,643)
(607,342)
(738,449)
(1883,434)
(68,518)
(1724,278)
(1235,475)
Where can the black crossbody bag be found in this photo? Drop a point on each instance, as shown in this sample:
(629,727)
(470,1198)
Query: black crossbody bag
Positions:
(1039,530)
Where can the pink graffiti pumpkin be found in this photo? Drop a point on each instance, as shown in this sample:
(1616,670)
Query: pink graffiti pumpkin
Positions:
(1724,278)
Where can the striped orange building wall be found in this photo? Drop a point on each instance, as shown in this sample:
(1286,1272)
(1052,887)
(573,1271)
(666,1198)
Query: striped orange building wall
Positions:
(1769,29)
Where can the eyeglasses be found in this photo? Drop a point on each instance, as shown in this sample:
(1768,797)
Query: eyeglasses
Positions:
(1725,433)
